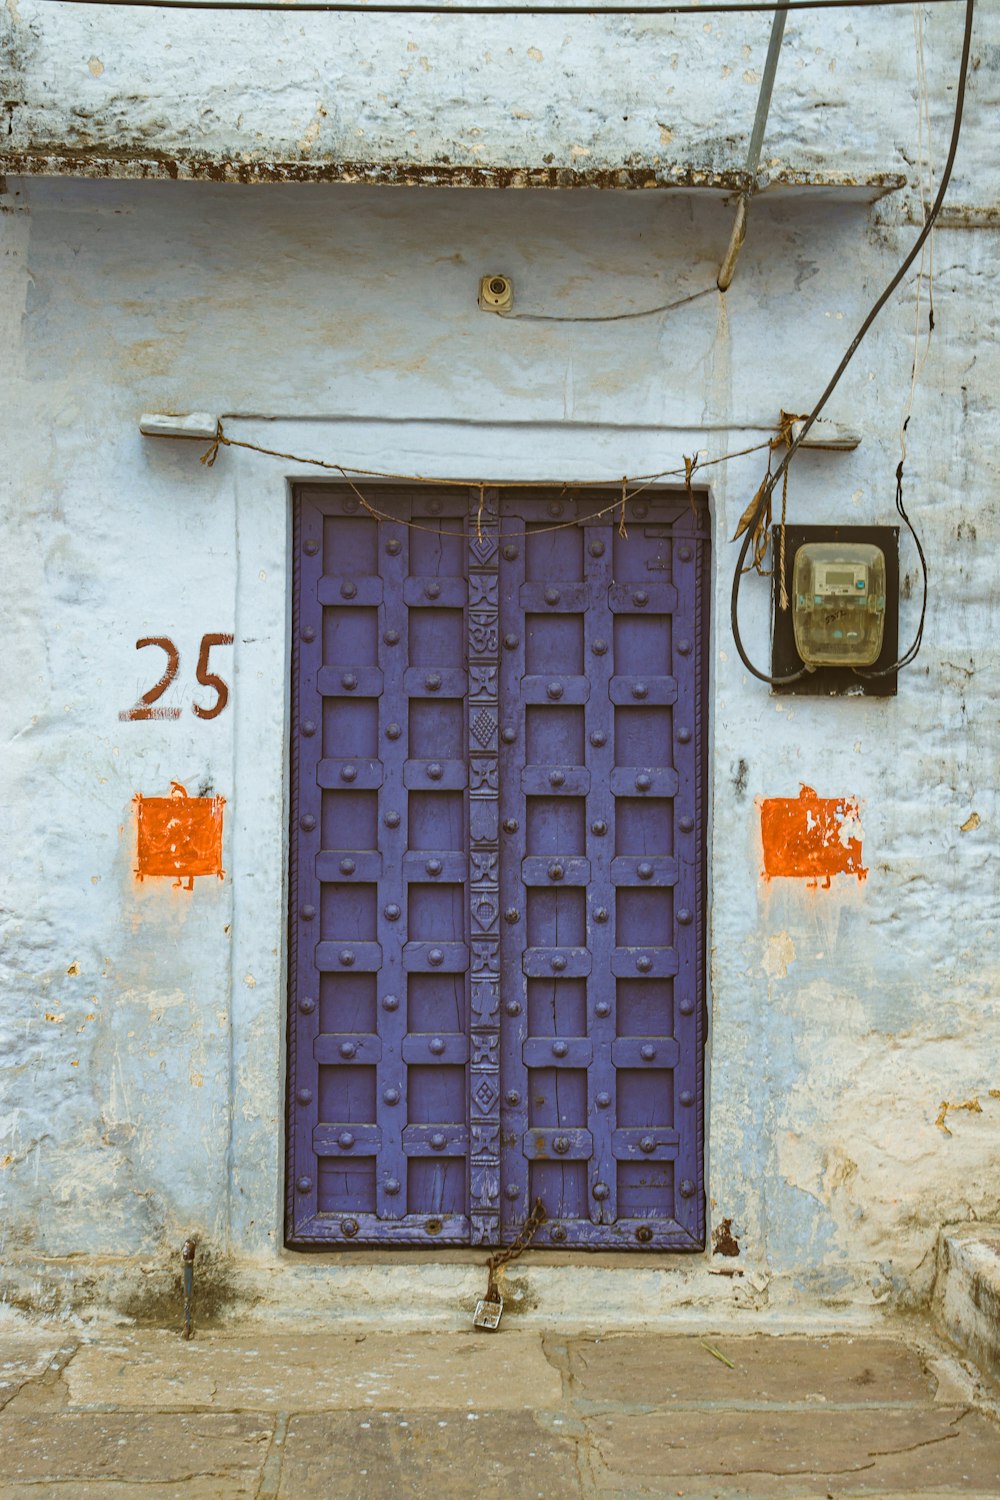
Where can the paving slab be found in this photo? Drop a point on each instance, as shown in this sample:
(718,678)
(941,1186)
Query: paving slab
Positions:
(668,1371)
(794,1453)
(315,1372)
(247,1488)
(444,1455)
(134,1449)
(24,1357)
(139,1414)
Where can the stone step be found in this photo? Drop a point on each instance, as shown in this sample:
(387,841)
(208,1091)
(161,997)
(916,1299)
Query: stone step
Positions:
(967,1292)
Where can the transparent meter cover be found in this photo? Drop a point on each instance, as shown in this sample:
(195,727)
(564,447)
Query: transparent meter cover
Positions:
(838,603)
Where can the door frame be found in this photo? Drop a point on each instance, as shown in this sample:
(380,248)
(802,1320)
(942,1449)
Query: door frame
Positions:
(702,677)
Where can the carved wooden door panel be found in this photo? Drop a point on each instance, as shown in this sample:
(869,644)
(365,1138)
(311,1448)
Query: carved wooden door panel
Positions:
(496,880)
(601,872)
(379,982)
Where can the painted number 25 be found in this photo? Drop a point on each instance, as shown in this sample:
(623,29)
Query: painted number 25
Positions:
(145,709)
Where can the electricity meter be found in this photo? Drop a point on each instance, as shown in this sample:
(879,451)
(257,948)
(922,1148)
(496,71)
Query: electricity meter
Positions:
(838,603)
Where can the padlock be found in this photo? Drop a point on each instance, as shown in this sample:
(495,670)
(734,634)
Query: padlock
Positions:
(488,1313)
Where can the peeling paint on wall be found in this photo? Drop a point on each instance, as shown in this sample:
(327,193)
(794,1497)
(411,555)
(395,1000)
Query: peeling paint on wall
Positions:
(779,953)
(724,1242)
(810,837)
(972,1105)
(179,836)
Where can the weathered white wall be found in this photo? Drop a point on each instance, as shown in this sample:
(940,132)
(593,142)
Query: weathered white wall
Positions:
(270,95)
(141,1027)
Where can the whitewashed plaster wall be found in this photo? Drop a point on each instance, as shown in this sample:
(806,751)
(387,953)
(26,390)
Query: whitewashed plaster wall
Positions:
(141,1027)
(271,95)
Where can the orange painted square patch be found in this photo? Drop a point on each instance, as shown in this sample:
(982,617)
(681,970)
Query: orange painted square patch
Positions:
(810,837)
(178,836)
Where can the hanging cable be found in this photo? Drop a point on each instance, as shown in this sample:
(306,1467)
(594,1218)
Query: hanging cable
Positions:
(772,479)
(919,360)
(926,183)
(911,652)
(621,317)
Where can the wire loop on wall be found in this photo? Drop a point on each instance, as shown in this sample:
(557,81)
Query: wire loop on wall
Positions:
(630,488)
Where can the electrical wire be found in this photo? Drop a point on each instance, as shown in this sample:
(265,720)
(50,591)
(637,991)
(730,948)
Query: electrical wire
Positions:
(379,7)
(919,360)
(767,487)
(911,652)
(926,184)
(622,317)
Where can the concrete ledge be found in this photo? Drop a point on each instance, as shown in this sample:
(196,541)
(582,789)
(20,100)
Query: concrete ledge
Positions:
(406,1291)
(49,160)
(967,1292)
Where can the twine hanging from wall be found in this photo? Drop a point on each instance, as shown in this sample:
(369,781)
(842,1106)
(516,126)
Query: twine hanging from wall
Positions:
(630,487)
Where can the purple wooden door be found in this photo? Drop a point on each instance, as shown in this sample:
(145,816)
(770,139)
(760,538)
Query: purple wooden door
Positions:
(497,869)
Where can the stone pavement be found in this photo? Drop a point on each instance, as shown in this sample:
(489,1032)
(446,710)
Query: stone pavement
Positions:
(524,1416)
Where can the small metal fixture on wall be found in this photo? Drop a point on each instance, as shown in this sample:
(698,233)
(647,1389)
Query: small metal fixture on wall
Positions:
(496,294)
(842,617)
